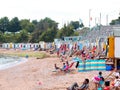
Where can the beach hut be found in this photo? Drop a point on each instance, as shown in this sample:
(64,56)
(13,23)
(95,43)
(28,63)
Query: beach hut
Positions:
(6,45)
(42,45)
(11,45)
(36,46)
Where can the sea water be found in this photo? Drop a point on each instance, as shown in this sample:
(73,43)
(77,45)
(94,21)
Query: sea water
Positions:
(10,61)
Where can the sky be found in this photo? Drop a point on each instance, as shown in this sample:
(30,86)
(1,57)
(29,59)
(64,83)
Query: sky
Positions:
(62,11)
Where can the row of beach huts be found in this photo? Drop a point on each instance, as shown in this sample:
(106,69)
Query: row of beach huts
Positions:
(26,46)
(100,43)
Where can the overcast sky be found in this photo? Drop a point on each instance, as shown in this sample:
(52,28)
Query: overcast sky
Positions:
(62,11)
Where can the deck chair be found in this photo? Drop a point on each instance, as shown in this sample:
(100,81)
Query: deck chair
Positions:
(68,67)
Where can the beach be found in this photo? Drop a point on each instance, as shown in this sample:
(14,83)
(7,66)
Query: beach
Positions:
(37,74)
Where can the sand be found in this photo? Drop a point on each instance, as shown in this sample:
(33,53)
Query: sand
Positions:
(37,74)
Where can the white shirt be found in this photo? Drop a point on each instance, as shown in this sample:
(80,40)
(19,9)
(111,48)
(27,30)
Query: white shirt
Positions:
(116,74)
(117,82)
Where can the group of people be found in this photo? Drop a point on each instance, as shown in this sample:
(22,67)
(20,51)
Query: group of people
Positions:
(66,52)
(85,53)
(113,83)
(100,83)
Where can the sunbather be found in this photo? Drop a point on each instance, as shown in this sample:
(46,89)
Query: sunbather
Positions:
(84,86)
(56,68)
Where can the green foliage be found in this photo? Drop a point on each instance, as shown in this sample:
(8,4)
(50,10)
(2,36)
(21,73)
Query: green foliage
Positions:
(35,22)
(48,36)
(65,31)
(27,25)
(76,24)
(24,30)
(115,22)
(30,27)
(24,23)
(14,25)
(4,24)
(23,36)
(35,36)
(45,30)
(45,24)
(2,39)
(81,25)
(76,34)
(30,54)
(9,37)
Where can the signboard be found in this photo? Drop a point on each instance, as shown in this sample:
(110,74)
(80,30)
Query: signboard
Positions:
(117,47)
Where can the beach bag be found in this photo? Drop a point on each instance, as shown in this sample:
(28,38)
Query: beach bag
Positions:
(96,79)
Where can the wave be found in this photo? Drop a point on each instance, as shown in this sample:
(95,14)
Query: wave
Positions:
(8,61)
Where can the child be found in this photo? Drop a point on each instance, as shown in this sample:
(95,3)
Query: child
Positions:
(107,85)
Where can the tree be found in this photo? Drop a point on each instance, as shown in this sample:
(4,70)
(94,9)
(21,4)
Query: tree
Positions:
(75,24)
(81,25)
(27,25)
(14,25)
(34,38)
(115,22)
(9,37)
(45,30)
(23,37)
(65,31)
(35,22)
(76,34)
(4,24)
(46,23)
(2,39)
(30,27)
(48,36)
(24,23)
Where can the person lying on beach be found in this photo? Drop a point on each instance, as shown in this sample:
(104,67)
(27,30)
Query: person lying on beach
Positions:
(84,86)
(67,63)
(66,67)
(56,68)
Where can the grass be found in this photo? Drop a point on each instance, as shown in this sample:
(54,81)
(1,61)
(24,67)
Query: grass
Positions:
(39,55)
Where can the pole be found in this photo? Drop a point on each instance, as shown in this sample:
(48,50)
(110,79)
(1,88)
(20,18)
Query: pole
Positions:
(89,17)
(107,20)
(95,21)
(100,22)
(100,18)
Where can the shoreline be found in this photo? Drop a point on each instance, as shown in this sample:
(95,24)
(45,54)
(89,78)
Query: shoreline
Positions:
(12,64)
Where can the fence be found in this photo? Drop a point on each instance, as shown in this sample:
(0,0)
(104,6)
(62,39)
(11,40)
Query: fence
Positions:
(89,65)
